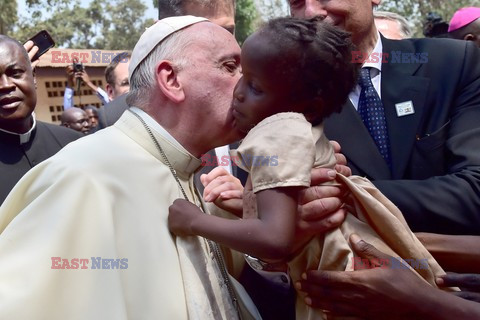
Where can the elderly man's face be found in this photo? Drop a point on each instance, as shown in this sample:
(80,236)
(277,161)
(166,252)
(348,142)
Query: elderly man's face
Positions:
(17,89)
(354,16)
(212,71)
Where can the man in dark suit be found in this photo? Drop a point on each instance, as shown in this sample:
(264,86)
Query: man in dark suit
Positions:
(24,142)
(116,75)
(430,90)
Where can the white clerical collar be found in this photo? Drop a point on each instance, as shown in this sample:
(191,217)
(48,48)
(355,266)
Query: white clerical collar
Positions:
(378,49)
(23,137)
(157,127)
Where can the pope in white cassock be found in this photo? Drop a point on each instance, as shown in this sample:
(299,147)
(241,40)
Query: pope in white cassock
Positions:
(84,234)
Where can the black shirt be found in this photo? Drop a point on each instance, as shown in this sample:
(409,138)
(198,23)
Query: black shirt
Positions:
(17,158)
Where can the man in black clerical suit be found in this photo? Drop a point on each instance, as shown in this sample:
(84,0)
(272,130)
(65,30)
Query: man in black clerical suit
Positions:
(430,90)
(24,142)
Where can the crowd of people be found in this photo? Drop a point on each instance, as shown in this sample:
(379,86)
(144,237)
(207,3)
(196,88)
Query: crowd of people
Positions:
(119,195)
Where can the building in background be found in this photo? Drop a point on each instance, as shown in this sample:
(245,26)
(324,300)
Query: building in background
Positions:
(51,79)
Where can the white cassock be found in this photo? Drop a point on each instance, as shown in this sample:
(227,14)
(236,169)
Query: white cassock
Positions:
(106,196)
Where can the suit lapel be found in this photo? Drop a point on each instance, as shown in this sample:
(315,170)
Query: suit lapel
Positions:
(357,145)
(398,85)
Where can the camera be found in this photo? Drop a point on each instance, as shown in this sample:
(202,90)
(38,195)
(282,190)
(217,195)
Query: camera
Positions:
(77,66)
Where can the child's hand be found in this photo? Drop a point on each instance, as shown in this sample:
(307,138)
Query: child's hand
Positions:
(224,190)
(180,217)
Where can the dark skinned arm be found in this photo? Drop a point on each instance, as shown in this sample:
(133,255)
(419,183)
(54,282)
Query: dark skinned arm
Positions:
(453,253)
(381,293)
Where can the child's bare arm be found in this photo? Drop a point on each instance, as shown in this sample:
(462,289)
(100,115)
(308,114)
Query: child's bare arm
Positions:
(271,236)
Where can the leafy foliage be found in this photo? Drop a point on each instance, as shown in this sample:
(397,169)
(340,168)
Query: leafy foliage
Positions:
(415,11)
(117,24)
(270,9)
(246,19)
(123,28)
(112,24)
(8,15)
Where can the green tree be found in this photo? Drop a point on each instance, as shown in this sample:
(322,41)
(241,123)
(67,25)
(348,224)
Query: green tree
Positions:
(123,28)
(8,16)
(70,25)
(270,9)
(105,24)
(246,19)
(415,11)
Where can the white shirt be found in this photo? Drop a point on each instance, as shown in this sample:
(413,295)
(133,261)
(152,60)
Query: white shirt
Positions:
(375,74)
(24,137)
(224,151)
(68,97)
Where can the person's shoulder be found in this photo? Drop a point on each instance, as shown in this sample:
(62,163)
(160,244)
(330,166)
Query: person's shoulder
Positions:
(61,134)
(279,127)
(86,154)
(429,57)
(434,45)
(114,109)
(282,118)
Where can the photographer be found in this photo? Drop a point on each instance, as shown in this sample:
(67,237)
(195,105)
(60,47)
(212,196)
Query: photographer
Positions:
(79,74)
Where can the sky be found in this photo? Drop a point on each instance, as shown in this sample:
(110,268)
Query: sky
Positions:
(149,13)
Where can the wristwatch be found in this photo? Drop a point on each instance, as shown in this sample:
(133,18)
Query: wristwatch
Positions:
(259,265)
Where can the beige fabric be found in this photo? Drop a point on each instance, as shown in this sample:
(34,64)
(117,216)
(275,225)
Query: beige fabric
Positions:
(273,161)
(375,219)
(106,195)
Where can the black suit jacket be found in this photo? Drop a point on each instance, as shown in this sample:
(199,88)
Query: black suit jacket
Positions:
(111,112)
(435,178)
(16,159)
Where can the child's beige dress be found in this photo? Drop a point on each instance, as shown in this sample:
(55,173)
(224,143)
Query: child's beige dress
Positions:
(280,152)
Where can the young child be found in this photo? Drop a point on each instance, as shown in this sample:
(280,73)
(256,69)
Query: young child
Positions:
(296,73)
